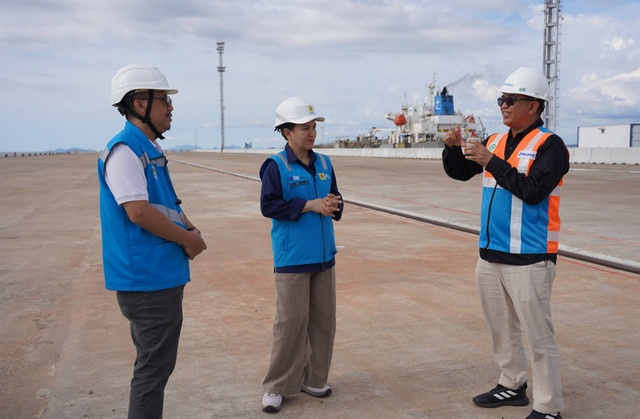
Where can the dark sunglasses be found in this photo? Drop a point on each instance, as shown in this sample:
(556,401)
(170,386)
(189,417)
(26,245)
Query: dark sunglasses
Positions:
(510,100)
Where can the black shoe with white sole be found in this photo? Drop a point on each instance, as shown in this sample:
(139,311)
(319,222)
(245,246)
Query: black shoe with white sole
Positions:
(537,415)
(502,396)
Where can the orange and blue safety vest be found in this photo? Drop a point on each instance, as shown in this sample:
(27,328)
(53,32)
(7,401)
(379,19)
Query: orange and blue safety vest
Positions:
(509,224)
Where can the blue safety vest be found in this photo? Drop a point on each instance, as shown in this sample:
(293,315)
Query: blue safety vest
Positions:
(135,259)
(310,239)
(509,224)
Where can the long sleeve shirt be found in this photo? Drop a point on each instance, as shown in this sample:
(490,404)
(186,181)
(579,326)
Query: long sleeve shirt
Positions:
(273,205)
(550,165)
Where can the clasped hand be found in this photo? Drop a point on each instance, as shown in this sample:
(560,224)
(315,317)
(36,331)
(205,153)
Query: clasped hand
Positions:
(331,204)
(326,206)
(195,246)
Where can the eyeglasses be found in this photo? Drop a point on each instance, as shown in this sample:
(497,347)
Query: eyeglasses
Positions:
(510,100)
(166,99)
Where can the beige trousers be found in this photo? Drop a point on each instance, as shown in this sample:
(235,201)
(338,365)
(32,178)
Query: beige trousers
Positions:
(303,331)
(514,295)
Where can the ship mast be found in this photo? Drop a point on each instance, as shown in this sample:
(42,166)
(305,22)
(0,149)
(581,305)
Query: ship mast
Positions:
(432,87)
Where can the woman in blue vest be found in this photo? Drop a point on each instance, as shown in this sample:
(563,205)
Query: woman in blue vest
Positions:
(300,195)
(147,240)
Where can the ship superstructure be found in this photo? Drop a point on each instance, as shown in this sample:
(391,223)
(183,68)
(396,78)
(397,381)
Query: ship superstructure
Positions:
(426,125)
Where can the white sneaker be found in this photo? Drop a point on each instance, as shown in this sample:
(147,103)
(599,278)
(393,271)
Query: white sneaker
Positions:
(271,403)
(317,392)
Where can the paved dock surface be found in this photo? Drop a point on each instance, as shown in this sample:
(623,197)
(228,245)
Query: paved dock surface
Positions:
(411,341)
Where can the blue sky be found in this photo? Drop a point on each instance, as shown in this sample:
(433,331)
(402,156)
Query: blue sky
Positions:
(355,60)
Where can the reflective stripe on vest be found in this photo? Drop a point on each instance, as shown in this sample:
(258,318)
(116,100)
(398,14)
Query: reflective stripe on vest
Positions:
(283,157)
(284,160)
(170,213)
(144,159)
(310,239)
(522,158)
(135,259)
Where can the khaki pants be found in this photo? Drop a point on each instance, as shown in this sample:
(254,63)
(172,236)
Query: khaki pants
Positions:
(303,331)
(513,295)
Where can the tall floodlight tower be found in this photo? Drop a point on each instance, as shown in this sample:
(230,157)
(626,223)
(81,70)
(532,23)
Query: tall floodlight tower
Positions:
(221,70)
(550,59)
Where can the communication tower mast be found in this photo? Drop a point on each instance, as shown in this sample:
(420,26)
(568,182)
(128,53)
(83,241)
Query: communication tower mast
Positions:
(550,59)
(221,70)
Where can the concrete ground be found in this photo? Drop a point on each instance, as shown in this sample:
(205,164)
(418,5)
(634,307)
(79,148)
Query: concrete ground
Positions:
(411,340)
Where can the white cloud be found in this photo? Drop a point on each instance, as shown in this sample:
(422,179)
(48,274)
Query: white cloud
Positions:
(617,96)
(354,59)
(536,18)
(484,90)
(616,43)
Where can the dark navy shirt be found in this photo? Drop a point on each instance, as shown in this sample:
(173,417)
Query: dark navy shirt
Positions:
(273,205)
(548,168)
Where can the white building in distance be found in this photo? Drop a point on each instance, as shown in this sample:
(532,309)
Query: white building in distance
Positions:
(609,136)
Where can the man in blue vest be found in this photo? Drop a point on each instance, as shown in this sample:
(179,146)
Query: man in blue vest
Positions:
(147,240)
(523,171)
(300,195)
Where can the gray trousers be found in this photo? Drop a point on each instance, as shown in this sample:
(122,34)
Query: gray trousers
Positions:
(303,331)
(512,296)
(155,319)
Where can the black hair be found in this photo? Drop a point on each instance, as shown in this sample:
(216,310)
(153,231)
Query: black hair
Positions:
(541,104)
(282,127)
(125,106)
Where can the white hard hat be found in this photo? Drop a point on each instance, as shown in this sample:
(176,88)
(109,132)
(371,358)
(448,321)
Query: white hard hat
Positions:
(137,77)
(528,82)
(295,110)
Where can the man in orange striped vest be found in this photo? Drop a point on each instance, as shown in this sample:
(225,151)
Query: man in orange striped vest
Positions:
(522,178)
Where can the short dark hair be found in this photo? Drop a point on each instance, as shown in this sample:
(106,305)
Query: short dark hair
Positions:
(282,127)
(541,104)
(126,104)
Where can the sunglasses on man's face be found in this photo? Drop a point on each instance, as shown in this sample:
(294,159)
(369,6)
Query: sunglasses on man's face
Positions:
(510,100)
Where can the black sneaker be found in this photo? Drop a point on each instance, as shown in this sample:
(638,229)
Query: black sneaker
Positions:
(502,396)
(537,415)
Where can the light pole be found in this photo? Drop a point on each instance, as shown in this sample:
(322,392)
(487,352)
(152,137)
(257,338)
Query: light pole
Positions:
(221,70)
(552,19)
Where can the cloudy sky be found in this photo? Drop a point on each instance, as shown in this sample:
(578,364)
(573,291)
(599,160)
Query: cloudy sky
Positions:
(354,60)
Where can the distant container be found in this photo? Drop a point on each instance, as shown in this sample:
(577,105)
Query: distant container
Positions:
(610,136)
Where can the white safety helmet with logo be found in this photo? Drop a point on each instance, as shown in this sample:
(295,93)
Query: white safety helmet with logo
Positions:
(296,111)
(528,82)
(138,77)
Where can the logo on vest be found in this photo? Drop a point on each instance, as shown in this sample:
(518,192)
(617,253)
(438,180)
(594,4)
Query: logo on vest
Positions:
(294,181)
(527,155)
(155,174)
(492,147)
(322,176)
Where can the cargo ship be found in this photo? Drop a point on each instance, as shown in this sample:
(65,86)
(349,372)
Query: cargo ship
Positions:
(426,125)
